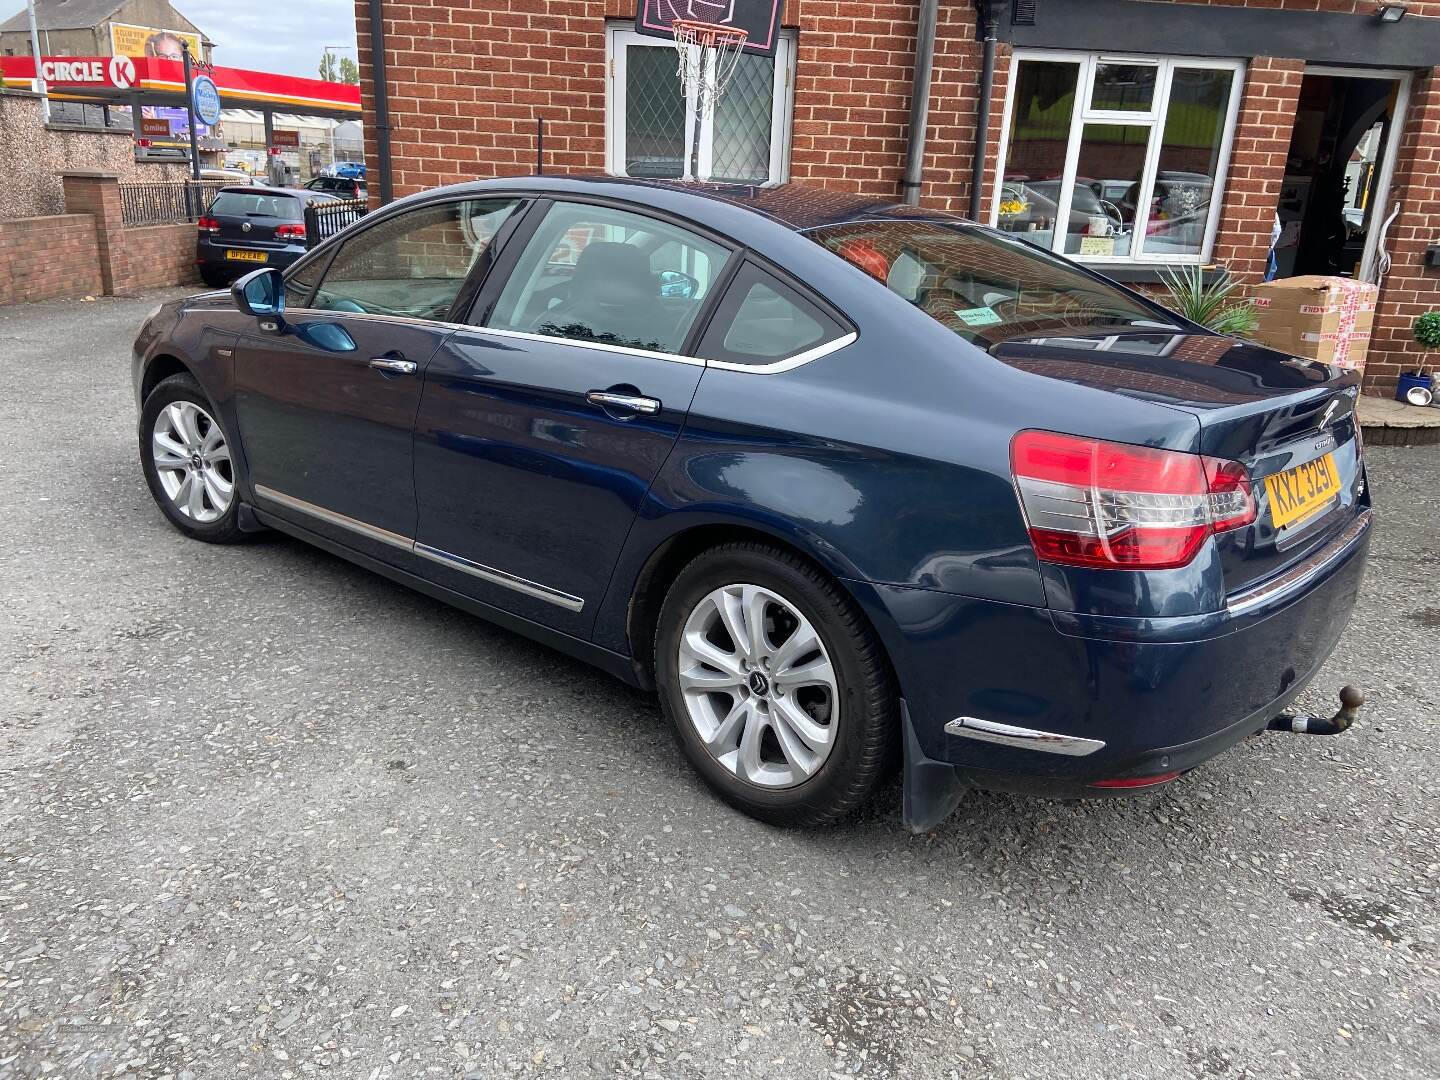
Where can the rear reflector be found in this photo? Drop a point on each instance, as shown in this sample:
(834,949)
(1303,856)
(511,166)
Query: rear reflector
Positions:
(1116,506)
(1136,781)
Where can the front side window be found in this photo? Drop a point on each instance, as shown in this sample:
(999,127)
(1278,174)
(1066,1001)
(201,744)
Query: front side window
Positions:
(651,131)
(1112,158)
(985,287)
(594,273)
(415,263)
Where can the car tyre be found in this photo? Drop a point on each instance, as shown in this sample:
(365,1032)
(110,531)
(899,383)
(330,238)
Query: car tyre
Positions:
(796,771)
(186,455)
(215,276)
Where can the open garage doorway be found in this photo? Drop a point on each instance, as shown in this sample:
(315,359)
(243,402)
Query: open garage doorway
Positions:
(1335,203)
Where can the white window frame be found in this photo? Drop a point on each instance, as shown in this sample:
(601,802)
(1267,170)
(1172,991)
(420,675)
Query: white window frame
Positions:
(620,38)
(1154,119)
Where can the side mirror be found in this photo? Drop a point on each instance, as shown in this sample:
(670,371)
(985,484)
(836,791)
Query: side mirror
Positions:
(262,293)
(675,283)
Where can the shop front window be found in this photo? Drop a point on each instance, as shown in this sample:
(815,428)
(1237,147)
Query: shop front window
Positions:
(650,130)
(1109,159)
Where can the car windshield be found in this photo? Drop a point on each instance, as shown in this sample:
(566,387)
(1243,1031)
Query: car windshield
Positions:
(983,285)
(256,204)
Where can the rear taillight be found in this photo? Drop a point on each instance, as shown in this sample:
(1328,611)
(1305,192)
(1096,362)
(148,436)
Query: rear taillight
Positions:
(1116,506)
(290,232)
(208,225)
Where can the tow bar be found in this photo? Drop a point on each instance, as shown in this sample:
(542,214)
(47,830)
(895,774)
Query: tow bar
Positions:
(1349,711)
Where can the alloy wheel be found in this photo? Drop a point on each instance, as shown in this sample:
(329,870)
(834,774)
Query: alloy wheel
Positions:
(192,461)
(758,685)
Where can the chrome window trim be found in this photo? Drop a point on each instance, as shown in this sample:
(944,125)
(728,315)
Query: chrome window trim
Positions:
(500,577)
(1301,574)
(1024,738)
(525,335)
(790,362)
(424,551)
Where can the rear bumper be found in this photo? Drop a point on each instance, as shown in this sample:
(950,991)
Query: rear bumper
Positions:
(1122,697)
(210,252)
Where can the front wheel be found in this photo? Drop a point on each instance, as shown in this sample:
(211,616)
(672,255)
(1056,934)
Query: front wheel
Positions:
(780,695)
(188,463)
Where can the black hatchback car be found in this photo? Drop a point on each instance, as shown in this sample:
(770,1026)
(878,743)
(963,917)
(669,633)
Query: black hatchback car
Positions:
(848,484)
(248,227)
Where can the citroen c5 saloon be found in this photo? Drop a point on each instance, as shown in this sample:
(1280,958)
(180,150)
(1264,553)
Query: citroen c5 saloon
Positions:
(851,486)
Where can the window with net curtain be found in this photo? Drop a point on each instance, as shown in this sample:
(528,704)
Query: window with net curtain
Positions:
(740,138)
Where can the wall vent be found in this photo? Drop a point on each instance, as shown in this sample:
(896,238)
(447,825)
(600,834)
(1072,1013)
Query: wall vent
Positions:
(1023,14)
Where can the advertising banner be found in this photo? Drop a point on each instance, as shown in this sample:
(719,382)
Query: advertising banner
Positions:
(128,40)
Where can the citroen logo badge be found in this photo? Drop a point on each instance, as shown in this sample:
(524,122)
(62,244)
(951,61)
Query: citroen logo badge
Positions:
(759,684)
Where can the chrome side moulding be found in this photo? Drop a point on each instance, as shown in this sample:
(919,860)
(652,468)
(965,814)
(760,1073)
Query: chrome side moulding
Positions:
(374,532)
(500,577)
(424,551)
(1024,738)
(1300,575)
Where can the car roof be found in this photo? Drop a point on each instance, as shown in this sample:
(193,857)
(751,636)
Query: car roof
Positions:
(799,207)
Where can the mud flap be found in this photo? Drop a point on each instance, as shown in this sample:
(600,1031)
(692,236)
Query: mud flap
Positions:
(932,788)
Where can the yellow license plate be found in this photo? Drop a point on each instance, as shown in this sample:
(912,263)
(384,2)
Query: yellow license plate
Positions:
(1297,493)
(246,256)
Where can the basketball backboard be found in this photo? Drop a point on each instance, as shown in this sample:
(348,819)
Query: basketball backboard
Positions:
(758,18)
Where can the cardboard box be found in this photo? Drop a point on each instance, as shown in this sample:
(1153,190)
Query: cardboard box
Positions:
(1322,318)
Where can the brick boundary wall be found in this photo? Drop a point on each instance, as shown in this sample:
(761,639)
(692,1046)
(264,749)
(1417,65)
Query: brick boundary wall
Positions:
(48,257)
(88,251)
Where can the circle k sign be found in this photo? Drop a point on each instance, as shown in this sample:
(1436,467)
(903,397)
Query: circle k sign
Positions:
(122,72)
(117,71)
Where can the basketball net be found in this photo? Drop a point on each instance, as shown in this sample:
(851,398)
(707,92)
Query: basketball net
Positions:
(707,55)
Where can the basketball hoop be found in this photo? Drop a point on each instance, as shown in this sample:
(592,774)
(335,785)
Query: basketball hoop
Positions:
(706,69)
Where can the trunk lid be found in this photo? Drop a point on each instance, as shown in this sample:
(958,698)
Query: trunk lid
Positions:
(1291,421)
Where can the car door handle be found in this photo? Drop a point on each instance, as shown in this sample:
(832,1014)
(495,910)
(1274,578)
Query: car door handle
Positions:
(395,367)
(632,402)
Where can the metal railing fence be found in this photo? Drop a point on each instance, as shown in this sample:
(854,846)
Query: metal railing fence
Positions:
(164,201)
(326,217)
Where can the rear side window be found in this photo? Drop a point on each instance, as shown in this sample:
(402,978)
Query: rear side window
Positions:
(763,321)
(256,204)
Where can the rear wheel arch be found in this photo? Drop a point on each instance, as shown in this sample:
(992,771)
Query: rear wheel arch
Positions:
(674,554)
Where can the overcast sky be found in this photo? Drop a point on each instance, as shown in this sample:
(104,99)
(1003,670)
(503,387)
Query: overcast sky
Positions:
(285,36)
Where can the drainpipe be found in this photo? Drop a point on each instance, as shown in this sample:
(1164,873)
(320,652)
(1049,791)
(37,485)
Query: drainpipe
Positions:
(989,29)
(382,100)
(39,68)
(920,100)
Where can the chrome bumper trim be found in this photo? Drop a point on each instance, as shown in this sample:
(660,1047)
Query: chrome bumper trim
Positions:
(1300,575)
(1022,737)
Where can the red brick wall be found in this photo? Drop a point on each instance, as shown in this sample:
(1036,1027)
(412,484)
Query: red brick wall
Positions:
(160,255)
(48,257)
(469,77)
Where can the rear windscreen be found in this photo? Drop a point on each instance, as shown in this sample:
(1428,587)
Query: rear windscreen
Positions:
(983,285)
(256,204)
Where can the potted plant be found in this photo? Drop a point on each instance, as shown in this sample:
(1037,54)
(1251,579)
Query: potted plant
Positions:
(1417,387)
(1210,303)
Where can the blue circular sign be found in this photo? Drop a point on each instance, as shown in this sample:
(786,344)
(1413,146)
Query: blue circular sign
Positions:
(207,100)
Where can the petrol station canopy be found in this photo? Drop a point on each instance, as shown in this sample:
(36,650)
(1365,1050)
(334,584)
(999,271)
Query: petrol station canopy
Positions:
(151,80)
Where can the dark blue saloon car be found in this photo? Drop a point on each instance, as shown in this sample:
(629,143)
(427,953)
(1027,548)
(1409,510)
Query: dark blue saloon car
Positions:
(850,485)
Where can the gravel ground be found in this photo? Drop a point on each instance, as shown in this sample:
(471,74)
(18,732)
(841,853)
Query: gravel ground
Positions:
(265,814)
